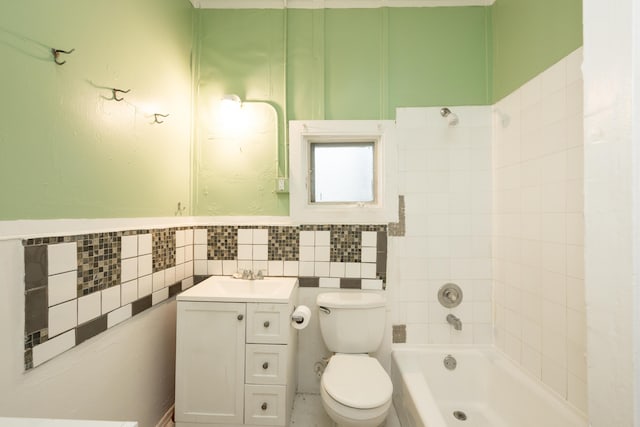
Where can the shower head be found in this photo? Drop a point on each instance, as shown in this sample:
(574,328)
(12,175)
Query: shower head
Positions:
(452,118)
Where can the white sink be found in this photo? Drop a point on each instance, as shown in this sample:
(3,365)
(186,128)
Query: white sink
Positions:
(228,289)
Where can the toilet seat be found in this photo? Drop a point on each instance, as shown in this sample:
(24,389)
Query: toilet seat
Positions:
(357,381)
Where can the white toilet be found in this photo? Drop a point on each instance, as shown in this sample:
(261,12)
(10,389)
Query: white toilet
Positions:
(355,389)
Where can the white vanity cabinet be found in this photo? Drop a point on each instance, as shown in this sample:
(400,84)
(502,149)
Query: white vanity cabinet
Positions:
(235,360)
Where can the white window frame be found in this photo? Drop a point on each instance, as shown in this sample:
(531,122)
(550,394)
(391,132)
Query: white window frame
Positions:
(382,211)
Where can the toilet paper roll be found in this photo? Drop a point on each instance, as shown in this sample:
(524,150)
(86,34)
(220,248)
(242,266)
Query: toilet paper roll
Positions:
(300,317)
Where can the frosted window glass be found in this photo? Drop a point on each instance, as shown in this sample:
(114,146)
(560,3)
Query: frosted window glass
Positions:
(342,172)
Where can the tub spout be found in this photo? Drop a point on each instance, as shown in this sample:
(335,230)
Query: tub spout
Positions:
(454,321)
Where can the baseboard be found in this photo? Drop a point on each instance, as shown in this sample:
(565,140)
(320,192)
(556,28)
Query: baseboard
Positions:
(167,418)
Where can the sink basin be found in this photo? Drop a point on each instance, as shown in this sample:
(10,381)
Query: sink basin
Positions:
(228,289)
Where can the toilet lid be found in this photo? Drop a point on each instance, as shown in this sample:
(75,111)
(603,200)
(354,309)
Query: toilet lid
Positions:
(357,381)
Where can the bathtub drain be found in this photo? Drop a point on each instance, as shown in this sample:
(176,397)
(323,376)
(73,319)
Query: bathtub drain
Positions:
(459,415)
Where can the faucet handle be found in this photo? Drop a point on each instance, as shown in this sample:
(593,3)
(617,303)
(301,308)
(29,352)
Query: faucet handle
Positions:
(246,274)
(259,275)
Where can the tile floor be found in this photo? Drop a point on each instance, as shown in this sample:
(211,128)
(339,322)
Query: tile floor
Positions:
(308,412)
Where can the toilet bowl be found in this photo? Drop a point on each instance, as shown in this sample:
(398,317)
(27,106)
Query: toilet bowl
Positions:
(356,391)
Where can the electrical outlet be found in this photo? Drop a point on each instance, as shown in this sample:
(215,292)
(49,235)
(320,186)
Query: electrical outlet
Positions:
(282,185)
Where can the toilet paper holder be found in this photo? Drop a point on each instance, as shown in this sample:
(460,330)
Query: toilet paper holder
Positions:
(296,318)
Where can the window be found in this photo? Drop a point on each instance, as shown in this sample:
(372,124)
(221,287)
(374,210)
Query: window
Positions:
(340,171)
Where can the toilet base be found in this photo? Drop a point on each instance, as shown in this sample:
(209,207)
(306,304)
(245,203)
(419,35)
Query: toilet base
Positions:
(345,416)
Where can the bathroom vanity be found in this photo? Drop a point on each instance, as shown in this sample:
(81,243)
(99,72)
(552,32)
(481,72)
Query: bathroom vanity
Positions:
(235,357)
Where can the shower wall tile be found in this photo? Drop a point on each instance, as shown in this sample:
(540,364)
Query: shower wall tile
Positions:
(53,347)
(538,239)
(62,258)
(62,287)
(63,317)
(89,307)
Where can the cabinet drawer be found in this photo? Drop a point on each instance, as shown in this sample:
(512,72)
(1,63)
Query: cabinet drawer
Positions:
(268,323)
(265,404)
(266,364)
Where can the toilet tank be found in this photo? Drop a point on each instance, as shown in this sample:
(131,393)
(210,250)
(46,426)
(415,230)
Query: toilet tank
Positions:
(352,322)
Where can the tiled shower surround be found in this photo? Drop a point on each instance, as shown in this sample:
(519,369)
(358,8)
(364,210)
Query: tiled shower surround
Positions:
(79,286)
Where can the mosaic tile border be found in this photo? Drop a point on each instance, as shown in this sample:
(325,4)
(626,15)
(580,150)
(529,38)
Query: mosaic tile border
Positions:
(77,287)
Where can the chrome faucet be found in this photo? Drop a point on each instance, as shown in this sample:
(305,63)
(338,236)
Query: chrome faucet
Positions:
(250,275)
(454,321)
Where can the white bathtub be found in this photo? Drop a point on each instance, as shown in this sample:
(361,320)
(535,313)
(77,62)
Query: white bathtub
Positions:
(485,386)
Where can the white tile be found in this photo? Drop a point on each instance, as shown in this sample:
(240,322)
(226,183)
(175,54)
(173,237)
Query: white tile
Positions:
(290,268)
(145,285)
(369,238)
(169,277)
(62,257)
(200,267)
(180,255)
(245,236)
(53,347)
(260,266)
(159,296)
(275,268)
(307,238)
(128,292)
(337,269)
(323,238)
(187,283)
(63,317)
(200,236)
(327,282)
(180,273)
(129,269)
(110,299)
(306,268)
(188,269)
(118,316)
(229,267)
(321,269)
(188,253)
(214,267)
(145,244)
(369,254)
(158,280)
(367,270)
(145,265)
(260,236)
(245,252)
(307,253)
(352,269)
(200,252)
(260,252)
(179,238)
(245,264)
(62,287)
(322,253)
(372,284)
(89,307)
(555,376)
(188,237)
(129,247)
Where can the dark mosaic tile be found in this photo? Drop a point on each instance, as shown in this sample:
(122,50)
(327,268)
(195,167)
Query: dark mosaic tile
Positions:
(35,266)
(91,328)
(141,305)
(399,334)
(36,311)
(28,359)
(35,338)
(309,282)
(398,229)
(381,242)
(175,289)
(350,283)
(164,248)
(284,243)
(222,242)
(98,261)
(381,265)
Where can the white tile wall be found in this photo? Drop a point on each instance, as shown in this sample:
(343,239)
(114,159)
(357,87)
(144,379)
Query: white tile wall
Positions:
(62,258)
(538,237)
(89,307)
(53,347)
(445,176)
(63,317)
(62,287)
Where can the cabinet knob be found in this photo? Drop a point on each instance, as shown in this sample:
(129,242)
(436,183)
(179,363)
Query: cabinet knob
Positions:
(266,324)
(240,316)
(265,365)
(264,406)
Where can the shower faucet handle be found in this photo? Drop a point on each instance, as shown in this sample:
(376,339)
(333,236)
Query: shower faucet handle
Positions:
(450,295)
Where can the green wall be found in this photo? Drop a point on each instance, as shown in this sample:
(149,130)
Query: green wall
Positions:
(66,151)
(342,64)
(529,36)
